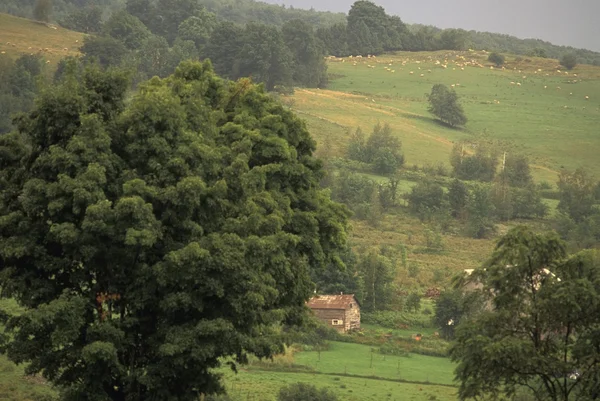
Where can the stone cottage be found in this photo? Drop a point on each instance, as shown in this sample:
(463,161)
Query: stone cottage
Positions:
(342,312)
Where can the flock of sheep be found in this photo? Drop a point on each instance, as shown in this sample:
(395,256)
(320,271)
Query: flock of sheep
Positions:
(39,50)
(449,60)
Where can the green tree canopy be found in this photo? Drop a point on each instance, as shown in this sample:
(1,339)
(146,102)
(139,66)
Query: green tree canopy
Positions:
(569,61)
(443,103)
(576,189)
(540,331)
(147,239)
(496,58)
(126,28)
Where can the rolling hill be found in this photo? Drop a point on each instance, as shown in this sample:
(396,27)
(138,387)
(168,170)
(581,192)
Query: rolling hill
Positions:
(22,36)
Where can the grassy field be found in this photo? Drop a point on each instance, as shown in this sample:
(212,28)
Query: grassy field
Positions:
(355,360)
(555,127)
(22,36)
(259,385)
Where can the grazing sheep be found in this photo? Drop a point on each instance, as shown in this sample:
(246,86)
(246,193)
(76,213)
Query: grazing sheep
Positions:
(587,98)
(512,83)
(518,84)
(411,73)
(2,52)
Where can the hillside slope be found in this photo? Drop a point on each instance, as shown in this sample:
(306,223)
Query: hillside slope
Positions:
(548,114)
(22,36)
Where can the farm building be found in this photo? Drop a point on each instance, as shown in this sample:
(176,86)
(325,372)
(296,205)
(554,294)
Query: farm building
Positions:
(342,312)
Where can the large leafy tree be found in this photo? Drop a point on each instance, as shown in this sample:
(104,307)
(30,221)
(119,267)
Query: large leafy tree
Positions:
(147,239)
(540,331)
(576,189)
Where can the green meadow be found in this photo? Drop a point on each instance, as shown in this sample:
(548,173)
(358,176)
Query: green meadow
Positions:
(529,105)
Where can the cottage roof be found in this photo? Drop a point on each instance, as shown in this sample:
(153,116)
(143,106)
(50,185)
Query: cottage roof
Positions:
(332,301)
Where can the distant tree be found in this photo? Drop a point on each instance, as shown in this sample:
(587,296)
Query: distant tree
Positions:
(538,52)
(443,103)
(198,28)
(452,307)
(413,302)
(109,52)
(384,150)
(86,20)
(480,213)
(576,193)
(265,57)
(154,57)
(569,61)
(42,10)
(224,47)
(425,197)
(357,146)
(353,189)
(126,28)
(458,196)
(479,166)
(377,275)
(528,203)
(305,392)
(335,39)
(516,171)
(308,64)
(453,39)
(496,58)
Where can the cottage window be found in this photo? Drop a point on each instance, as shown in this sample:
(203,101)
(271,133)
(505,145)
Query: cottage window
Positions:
(337,322)
(351,306)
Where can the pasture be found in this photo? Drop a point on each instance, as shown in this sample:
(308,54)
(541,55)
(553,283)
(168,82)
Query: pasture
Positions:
(529,105)
(20,36)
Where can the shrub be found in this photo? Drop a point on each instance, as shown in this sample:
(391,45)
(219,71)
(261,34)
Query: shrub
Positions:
(305,392)
(496,58)
(569,61)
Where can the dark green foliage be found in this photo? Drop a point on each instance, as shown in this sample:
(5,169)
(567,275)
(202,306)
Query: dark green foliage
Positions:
(454,39)
(308,64)
(86,20)
(480,213)
(148,239)
(265,57)
(107,51)
(126,28)
(453,306)
(576,191)
(305,392)
(516,171)
(541,330)
(377,274)
(223,47)
(443,103)
(569,61)
(413,302)
(381,149)
(479,166)
(496,58)
(335,39)
(426,197)
(18,87)
(334,280)
(198,28)
(458,196)
(42,10)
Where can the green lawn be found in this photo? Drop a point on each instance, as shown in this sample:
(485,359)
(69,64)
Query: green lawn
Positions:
(355,359)
(257,385)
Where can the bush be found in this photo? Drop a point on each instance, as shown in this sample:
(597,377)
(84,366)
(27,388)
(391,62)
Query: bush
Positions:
(496,58)
(569,61)
(305,392)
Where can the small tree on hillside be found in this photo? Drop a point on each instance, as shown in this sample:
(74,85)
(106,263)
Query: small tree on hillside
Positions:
(496,58)
(42,10)
(443,103)
(569,61)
